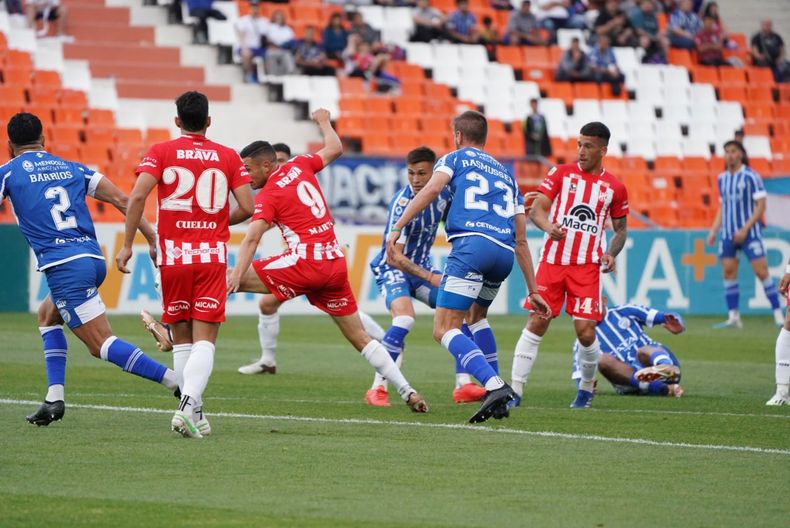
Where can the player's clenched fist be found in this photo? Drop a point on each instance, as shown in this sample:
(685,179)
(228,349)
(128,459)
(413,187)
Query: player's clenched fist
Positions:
(557,232)
(321,115)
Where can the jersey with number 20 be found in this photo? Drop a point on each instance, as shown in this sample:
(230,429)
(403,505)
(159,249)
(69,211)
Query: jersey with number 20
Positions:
(485,197)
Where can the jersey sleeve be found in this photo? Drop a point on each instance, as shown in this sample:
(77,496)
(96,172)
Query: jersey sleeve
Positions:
(311,161)
(6,173)
(265,208)
(552,183)
(758,188)
(619,207)
(641,314)
(519,202)
(92,178)
(151,163)
(445,164)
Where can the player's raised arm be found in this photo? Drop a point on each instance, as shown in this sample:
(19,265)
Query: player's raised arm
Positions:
(134,214)
(333,147)
(246,253)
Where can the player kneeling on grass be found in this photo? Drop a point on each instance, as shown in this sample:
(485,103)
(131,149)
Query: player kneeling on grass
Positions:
(313,265)
(408,274)
(632,361)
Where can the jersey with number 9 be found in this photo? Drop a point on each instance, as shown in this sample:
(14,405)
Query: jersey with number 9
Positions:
(48,195)
(485,197)
(292,200)
(195,177)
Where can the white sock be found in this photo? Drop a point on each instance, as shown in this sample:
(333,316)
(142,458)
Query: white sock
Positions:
(268,332)
(494,383)
(779,317)
(378,357)
(588,364)
(734,315)
(372,328)
(381,381)
(198,369)
(783,361)
(55,393)
(524,357)
(180,356)
(462,379)
(170,380)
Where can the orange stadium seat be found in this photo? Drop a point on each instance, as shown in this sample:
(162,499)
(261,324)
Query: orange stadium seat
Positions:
(376,144)
(99,135)
(756,128)
(100,117)
(94,154)
(12,95)
(350,126)
(537,56)
(351,105)
(561,90)
(377,105)
(761,165)
(65,134)
(784,93)
(438,91)
(157,135)
(405,123)
(511,55)
(760,94)
(43,112)
(705,74)
(781,167)
(732,76)
(352,86)
(667,165)
(760,76)
(412,87)
(680,57)
(44,95)
(47,78)
(759,110)
(68,115)
(694,164)
(73,98)
(17,77)
(16,59)
(408,106)
(585,90)
(733,93)
(128,136)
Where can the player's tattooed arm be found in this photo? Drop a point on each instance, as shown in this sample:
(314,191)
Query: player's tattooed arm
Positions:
(398,260)
(421,200)
(620,226)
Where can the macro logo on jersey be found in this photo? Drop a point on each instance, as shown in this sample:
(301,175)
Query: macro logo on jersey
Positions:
(206,304)
(581,218)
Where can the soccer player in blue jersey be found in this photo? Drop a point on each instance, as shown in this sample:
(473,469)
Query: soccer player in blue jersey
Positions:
(486,226)
(48,196)
(409,274)
(631,360)
(738,225)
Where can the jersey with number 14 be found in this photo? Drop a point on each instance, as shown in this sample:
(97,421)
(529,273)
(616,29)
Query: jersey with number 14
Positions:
(195,176)
(485,197)
(292,200)
(580,204)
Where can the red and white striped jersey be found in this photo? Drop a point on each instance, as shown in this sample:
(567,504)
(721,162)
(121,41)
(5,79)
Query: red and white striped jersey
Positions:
(195,176)
(581,203)
(292,200)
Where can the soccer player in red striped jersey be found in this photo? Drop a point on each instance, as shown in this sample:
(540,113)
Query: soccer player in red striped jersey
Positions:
(194,177)
(572,207)
(314,264)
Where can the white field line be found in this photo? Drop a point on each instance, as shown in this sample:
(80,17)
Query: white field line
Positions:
(462,427)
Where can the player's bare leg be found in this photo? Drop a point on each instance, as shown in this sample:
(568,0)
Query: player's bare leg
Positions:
(526,353)
(729,267)
(268,332)
(375,353)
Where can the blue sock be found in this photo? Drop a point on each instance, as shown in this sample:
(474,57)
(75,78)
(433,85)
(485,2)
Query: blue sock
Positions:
(396,334)
(660,358)
(132,359)
(771,292)
(465,330)
(484,338)
(657,388)
(54,354)
(469,356)
(731,294)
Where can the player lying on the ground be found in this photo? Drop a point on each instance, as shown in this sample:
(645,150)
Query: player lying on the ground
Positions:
(781,397)
(631,360)
(313,265)
(408,275)
(48,196)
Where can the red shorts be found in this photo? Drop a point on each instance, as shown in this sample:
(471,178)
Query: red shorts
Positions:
(324,282)
(194,291)
(580,284)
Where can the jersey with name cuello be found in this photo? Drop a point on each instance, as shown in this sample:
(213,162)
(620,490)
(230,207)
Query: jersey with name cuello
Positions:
(195,177)
(48,194)
(581,203)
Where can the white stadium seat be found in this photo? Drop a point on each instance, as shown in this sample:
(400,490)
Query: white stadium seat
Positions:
(473,54)
(641,111)
(641,147)
(667,130)
(676,76)
(565,36)
(678,113)
(400,17)
(589,109)
(373,15)
(703,113)
(447,74)
(554,111)
(696,147)
(21,39)
(222,33)
(446,54)
(702,130)
(525,90)
(325,86)
(500,109)
(76,75)
(757,146)
(420,53)
(296,87)
(472,92)
(702,94)
(500,74)
(730,112)
(614,109)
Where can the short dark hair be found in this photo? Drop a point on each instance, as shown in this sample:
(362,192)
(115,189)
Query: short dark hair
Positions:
(258,149)
(282,147)
(739,145)
(473,126)
(192,108)
(596,129)
(421,154)
(24,129)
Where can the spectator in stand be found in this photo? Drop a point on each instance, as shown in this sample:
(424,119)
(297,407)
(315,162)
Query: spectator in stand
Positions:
(536,133)
(556,14)
(335,37)
(251,32)
(523,28)
(462,24)
(428,22)
(489,38)
(712,10)
(574,65)
(501,5)
(280,38)
(360,61)
(645,23)
(768,49)
(604,66)
(710,44)
(309,56)
(47,11)
(684,24)
(613,23)
(203,10)
(364,30)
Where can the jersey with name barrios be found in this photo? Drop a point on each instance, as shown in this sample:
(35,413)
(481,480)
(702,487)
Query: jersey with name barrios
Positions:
(195,177)
(48,194)
(581,203)
(737,193)
(485,197)
(419,235)
(292,200)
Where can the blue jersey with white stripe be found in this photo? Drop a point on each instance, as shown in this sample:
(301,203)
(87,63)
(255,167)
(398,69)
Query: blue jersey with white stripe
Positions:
(485,197)
(621,333)
(418,236)
(738,192)
(48,195)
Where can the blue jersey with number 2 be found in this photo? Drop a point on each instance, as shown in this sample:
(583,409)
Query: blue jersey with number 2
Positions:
(485,197)
(48,195)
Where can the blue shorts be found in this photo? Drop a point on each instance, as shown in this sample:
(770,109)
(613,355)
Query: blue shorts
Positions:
(475,269)
(393,283)
(752,246)
(74,288)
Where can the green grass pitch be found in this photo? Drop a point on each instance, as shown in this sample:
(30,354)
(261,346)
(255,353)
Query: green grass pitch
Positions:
(301,448)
